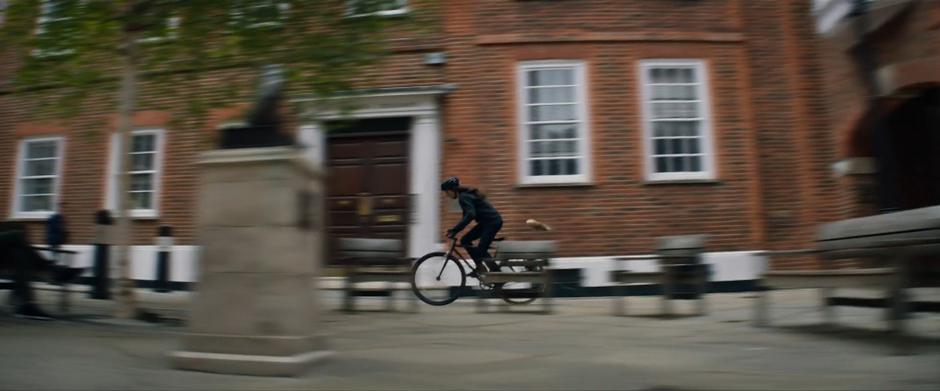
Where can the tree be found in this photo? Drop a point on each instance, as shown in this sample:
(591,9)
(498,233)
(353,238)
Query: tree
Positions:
(70,45)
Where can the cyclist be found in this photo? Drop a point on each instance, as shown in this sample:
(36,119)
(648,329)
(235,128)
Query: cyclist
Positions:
(475,208)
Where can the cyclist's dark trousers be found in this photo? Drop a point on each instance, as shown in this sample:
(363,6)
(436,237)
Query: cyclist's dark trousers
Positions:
(485,232)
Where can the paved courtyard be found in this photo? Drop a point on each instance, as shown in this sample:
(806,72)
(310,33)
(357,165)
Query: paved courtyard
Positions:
(580,347)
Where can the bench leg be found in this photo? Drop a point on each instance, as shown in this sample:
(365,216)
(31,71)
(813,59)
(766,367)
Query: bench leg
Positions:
(702,291)
(348,296)
(390,303)
(64,299)
(620,300)
(761,305)
(547,278)
(827,310)
(666,304)
(899,305)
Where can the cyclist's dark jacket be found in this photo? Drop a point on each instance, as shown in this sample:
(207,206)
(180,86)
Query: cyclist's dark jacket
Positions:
(475,208)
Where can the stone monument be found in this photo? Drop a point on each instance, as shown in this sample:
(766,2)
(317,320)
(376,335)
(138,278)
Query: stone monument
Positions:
(256,311)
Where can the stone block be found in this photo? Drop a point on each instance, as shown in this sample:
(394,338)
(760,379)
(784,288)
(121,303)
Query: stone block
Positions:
(225,304)
(278,249)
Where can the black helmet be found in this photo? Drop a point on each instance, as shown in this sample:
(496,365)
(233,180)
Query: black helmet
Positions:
(450,183)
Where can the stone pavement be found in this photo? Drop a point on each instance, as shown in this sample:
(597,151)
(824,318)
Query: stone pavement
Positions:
(580,347)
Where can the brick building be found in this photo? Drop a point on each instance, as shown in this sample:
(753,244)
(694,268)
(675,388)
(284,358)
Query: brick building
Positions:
(614,121)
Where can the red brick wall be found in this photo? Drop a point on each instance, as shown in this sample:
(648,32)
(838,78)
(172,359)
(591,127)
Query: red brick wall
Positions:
(765,105)
(769,122)
(84,176)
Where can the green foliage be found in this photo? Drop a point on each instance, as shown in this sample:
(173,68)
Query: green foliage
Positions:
(82,45)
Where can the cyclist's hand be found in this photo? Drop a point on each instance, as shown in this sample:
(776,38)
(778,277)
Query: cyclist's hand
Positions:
(450,235)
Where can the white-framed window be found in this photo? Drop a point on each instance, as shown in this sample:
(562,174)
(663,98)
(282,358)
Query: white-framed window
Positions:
(553,123)
(168,32)
(377,7)
(3,11)
(256,14)
(38,176)
(146,162)
(676,120)
(55,15)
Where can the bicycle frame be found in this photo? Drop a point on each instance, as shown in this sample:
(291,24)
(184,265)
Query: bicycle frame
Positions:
(454,246)
(454,250)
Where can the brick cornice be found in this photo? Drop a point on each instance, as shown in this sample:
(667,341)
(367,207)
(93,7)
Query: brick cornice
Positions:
(657,36)
(31,129)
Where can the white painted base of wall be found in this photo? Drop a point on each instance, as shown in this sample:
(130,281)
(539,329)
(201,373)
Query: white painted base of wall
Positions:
(184,264)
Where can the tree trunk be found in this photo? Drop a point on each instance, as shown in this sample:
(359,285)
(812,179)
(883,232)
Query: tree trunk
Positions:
(126,298)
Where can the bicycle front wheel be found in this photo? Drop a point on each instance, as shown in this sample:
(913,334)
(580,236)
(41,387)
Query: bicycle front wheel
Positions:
(437,279)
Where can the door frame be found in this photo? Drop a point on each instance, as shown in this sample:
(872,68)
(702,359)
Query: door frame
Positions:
(424,156)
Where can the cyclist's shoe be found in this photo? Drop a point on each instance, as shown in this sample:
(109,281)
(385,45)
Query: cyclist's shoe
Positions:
(477,272)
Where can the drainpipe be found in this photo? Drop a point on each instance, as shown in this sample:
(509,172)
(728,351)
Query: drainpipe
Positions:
(887,183)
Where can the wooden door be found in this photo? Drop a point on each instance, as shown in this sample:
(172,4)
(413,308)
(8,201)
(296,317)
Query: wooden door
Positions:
(367,186)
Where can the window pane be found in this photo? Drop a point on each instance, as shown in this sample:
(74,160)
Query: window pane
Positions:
(37,186)
(692,145)
(536,167)
(41,149)
(553,131)
(141,182)
(674,93)
(554,167)
(551,77)
(677,145)
(142,162)
(657,75)
(569,148)
(40,167)
(688,128)
(551,95)
(678,164)
(695,163)
(661,147)
(144,143)
(142,200)
(571,167)
(686,75)
(664,110)
(36,203)
(661,164)
(552,113)
(664,129)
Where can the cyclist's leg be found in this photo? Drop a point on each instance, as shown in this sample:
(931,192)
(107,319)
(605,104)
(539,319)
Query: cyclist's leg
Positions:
(486,238)
(467,242)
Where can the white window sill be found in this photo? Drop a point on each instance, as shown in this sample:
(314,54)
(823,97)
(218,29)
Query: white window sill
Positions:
(560,182)
(687,181)
(31,215)
(141,215)
(383,14)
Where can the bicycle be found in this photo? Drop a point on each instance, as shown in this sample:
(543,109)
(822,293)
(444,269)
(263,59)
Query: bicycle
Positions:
(439,278)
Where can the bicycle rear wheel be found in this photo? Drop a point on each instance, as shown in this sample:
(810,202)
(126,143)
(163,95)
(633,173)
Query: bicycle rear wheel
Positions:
(521,292)
(437,279)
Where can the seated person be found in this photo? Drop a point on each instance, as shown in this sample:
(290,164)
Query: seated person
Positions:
(19,259)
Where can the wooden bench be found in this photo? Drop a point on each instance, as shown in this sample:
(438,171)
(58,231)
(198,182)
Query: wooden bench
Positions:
(891,243)
(531,258)
(680,262)
(375,260)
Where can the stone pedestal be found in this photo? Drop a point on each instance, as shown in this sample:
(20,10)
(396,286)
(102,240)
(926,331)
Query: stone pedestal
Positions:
(261,230)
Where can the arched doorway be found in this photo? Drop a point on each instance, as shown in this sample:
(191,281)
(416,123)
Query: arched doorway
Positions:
(913,129)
